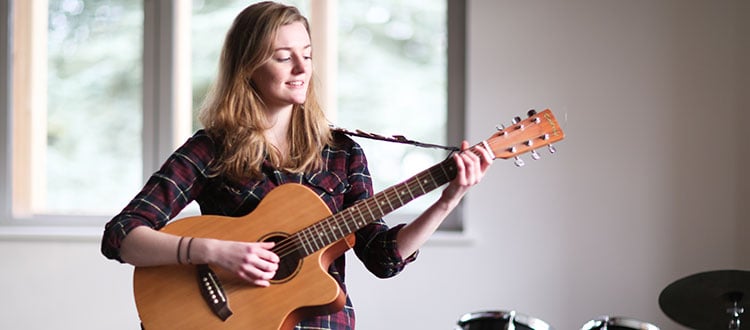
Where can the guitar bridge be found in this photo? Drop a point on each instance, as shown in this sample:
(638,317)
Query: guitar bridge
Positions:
(212,292)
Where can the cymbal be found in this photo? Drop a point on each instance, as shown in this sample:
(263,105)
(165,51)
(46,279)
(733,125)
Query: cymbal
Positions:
(700,301)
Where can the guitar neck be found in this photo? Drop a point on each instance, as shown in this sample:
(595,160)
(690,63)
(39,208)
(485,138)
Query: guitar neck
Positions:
(539,129)
(338,226)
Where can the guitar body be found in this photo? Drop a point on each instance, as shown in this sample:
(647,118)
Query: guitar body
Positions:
(168,297)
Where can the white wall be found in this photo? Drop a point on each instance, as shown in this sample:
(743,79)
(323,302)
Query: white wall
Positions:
(644,190)
(648,186)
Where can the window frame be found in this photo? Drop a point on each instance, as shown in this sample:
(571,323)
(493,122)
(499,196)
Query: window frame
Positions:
(167,101)
(5,118)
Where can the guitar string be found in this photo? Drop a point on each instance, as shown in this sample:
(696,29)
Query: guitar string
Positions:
(287,246)
(316,241)
(284,248)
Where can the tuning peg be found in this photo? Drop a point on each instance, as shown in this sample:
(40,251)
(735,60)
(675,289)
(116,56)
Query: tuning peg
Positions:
(501,128)
(518,161)
(517,120)
(551,148)
(535,155)
(531,112)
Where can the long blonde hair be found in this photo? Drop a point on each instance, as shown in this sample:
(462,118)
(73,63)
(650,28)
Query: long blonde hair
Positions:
(233,112)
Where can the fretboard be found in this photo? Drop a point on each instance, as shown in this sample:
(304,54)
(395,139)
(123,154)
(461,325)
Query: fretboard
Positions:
(333,228)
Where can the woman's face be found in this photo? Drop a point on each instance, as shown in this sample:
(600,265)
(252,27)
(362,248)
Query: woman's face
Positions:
(284,78)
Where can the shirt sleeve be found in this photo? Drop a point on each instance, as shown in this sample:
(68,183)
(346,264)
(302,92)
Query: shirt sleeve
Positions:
(375,244)
(165,194)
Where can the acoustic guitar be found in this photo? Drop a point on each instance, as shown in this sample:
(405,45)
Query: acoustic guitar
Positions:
(308,238)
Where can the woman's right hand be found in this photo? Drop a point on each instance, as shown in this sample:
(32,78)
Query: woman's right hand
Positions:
(253,262)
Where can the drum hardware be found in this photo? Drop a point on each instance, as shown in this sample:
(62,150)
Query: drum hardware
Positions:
(500,320)
(707,301)
(735,311)
(607,322)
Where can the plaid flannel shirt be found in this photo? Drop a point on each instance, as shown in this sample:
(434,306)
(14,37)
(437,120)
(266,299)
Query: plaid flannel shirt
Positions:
(343,180)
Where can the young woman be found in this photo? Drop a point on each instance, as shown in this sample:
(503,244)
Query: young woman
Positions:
(264,128)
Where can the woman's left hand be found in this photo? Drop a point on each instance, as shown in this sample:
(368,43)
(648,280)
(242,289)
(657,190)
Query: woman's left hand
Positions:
(471,165)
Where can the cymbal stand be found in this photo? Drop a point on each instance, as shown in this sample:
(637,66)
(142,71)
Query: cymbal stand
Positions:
(735,311)
(511,321)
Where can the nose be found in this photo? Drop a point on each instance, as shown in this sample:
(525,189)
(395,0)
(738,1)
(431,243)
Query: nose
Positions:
(299,64)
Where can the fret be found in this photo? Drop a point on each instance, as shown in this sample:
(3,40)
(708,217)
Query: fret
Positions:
(336,220)
(359,210)
(408,189)
(325,234)
(416,188)
(328,232)
(331,234)
(432,178)
(373,209)
(357,223)
(395,191)
(313,241)
(338,226)
(436,174)
(347,220)
(320,233)
(446,174)
(348,229)
(302,244)
(379,204)
(419,181)
(306,239)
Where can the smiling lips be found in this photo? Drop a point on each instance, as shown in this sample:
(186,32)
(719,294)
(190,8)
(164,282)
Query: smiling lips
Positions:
(296,83)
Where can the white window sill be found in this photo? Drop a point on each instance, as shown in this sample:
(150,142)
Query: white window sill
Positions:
(450,238)
(48,233)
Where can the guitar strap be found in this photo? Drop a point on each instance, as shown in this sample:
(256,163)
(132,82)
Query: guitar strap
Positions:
(395,139)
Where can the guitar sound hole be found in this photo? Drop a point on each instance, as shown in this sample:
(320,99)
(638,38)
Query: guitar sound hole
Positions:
(290,260)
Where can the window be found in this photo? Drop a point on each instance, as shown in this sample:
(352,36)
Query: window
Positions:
(392,79)
(76,106)
(101,91)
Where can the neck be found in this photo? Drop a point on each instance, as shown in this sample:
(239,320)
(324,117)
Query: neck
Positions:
(279,121)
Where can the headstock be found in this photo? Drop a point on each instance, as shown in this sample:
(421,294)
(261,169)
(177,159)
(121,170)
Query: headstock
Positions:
(538,130)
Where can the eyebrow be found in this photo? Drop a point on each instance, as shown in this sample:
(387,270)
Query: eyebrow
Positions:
(290,48)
